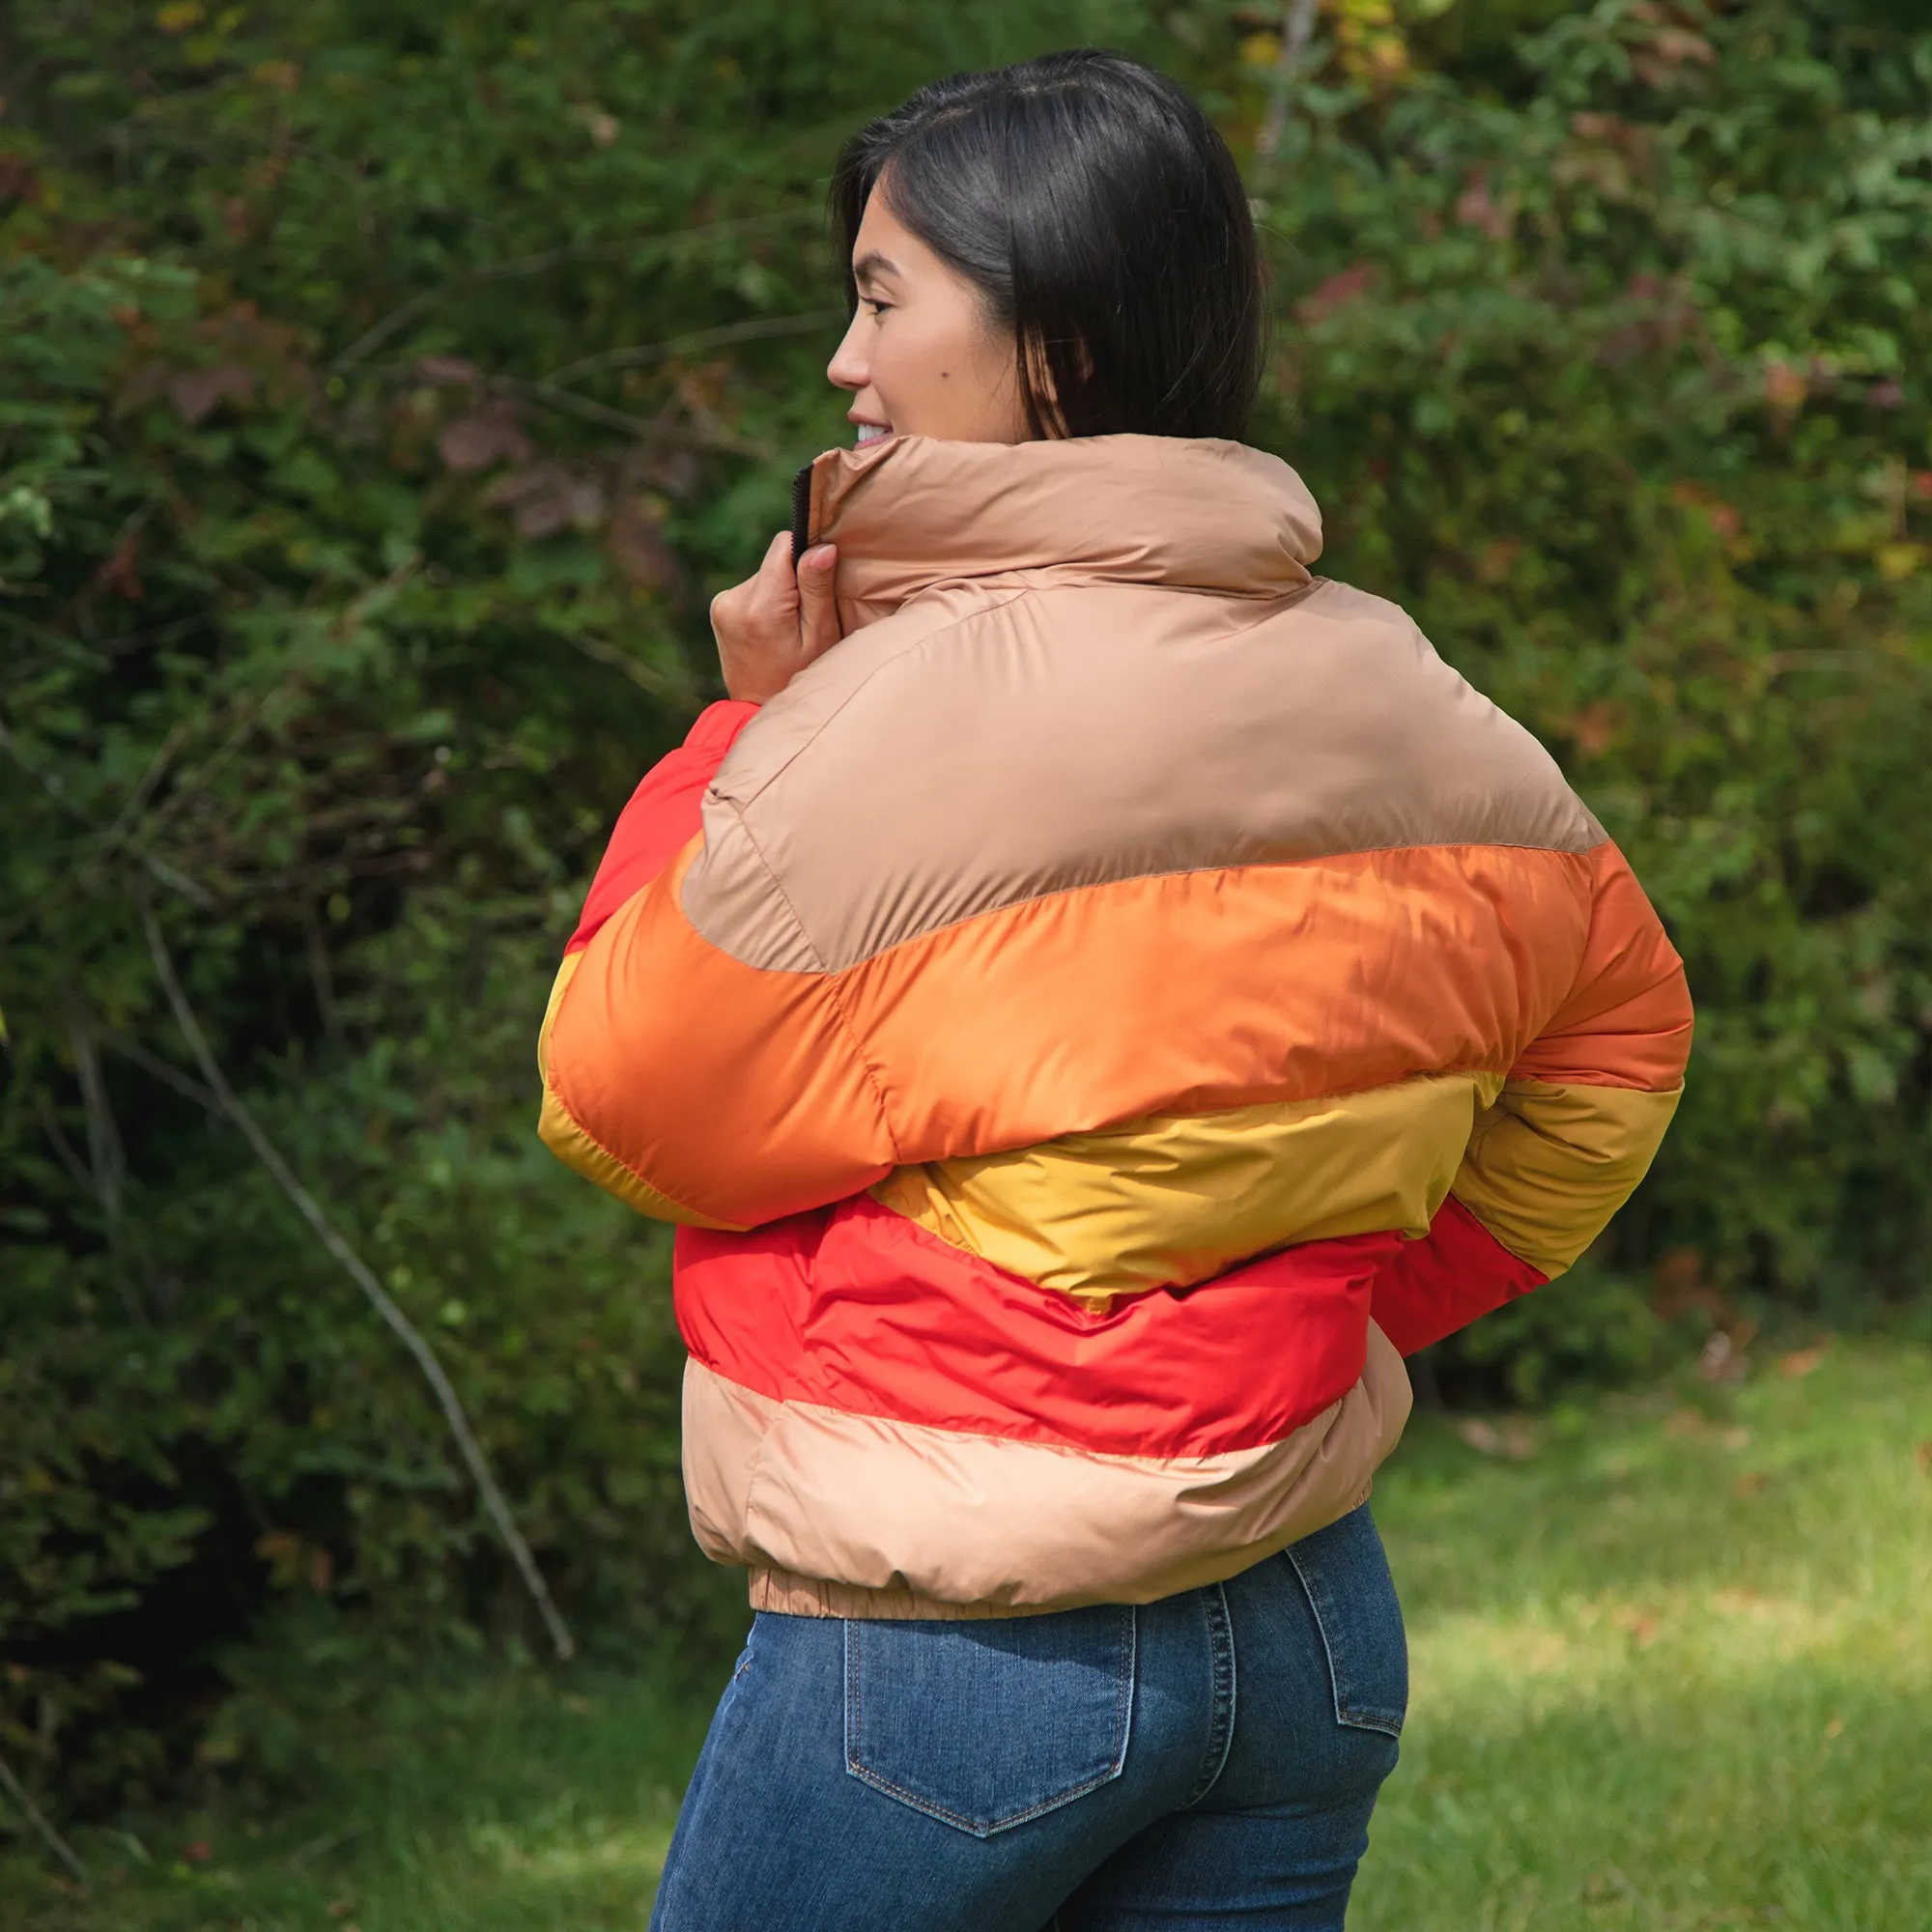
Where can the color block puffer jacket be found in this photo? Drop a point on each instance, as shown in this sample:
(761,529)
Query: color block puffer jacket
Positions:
(1090,1026)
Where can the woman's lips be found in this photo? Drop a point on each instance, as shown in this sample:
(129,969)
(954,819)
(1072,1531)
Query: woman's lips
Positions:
(872,433)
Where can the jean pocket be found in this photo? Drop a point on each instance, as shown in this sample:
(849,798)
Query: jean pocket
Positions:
(987,1724)
(1345,1571)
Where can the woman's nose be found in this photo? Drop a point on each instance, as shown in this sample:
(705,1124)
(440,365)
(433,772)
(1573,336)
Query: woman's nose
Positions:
(850,368)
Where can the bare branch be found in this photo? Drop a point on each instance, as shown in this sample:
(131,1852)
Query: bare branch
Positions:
(168,1076)
(674,690)
(52,1839)
(49,783)
(321,972)
(106,1158)
(70,1159)
(137,799)
(354,1266)
(327,1842)
(641,354)
(418,306)
(568,402)
(1297,28)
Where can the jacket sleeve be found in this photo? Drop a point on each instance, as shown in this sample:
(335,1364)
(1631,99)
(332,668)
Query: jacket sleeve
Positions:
(1574,1130)
(662,816)
(697,1087)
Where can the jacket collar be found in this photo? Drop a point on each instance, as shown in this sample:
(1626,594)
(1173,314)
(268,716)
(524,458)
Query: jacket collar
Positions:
(910,512)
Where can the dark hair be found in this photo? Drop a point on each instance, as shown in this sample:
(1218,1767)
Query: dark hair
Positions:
(1103,219)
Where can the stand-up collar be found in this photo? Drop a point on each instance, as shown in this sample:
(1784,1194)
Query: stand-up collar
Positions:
(909,511)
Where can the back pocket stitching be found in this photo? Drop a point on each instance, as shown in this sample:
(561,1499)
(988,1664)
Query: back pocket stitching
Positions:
(1129,1647)
(1364,1718)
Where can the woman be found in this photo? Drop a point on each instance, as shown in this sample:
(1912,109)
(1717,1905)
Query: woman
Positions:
(1095,998)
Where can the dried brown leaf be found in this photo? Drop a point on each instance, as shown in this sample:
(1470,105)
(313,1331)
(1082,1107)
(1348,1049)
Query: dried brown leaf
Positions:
(491,435)
(445,372)
(639,549)
(545,498)
(197,392)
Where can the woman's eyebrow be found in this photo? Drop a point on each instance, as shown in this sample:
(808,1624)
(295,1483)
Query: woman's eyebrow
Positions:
(875,264)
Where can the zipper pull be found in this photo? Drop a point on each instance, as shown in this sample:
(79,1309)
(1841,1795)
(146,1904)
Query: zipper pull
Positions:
(801,514)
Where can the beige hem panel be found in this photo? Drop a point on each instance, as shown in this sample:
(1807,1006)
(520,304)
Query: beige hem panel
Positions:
(935,1514)
(1173,1200)
(1000,742)
(1548,1165)
(786,1593)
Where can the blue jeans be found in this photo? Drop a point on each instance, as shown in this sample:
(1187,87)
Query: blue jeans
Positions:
(1206,1759)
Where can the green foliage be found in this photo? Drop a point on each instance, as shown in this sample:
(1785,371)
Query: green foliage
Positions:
(1617,391)
(386,390)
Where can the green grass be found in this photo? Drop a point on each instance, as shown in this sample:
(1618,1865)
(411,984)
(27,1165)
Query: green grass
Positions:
(1672,1669)
(516,1801)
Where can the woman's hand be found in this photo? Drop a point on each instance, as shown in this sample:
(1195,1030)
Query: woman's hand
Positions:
(772,625)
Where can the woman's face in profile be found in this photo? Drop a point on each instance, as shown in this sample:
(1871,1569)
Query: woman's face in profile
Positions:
(922,356)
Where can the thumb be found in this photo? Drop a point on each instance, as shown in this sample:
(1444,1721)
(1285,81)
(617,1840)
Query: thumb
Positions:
(818,605)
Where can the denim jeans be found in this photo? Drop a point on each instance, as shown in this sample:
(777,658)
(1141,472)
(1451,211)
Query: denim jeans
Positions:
(1210,1758)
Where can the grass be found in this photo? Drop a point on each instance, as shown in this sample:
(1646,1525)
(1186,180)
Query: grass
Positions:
(518,1800)
(1672,1671)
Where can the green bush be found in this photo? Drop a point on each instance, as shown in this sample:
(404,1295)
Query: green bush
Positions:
(1620,391)
(386,389)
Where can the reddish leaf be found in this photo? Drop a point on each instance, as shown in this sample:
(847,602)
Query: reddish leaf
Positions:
(489,435)
(638,550)
(1337,291)
(546,498)
(446,372)
(1475,208)
(196,392)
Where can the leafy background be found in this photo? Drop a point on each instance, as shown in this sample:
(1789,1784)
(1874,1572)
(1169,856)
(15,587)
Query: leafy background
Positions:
(384,391)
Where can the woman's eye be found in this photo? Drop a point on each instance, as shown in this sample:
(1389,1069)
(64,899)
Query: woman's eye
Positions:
(873,304)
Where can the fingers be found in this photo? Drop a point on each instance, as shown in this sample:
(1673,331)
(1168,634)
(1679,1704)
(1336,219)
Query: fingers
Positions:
(775,573)
(772,625)
(819,605)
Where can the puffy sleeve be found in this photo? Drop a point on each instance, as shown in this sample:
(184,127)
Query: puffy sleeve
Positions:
(1573,1131)
(695,1086)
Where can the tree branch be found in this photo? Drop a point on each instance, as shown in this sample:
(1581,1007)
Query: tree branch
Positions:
(49,783)
(53,1840)
(168,1076)
(568,402)
(56,1134)
(677,693)
(642,354)
(419,305)
(1297,28)
(354,1266)
(106,1157)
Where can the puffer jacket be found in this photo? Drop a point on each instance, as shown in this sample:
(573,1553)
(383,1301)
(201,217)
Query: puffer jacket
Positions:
(1092,1025)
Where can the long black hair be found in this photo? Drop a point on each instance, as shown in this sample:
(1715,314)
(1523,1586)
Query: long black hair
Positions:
(1104,222)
